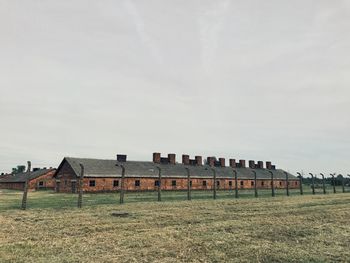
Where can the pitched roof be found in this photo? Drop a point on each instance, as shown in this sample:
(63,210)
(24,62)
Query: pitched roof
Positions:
(22,177)
(108,168)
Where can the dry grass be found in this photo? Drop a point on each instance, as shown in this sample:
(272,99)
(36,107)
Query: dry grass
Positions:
(281,229)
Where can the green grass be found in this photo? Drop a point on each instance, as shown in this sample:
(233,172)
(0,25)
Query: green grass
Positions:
(282,229)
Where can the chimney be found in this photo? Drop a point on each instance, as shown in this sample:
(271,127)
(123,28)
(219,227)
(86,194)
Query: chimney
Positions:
(211,161)
(222,162)
(172,158)
(121,158)
(251,164)
(242,163)
(273,167)
(268,165)
(156,157)
(233,163)
(260,164)
(199,160)
(185,159)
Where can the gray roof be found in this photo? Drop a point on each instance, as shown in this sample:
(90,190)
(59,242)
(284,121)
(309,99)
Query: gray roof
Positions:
(107,168)
(21,177)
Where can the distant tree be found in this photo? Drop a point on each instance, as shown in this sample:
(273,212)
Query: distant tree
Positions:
(19,169)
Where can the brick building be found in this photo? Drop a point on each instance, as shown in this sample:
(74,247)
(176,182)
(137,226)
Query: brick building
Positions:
(37,179)
(104,175)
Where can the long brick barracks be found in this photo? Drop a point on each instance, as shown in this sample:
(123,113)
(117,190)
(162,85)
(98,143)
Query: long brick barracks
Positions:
(105,175)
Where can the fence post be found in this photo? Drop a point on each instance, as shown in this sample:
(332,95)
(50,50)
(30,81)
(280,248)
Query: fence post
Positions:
(26,186)
(188,183)
(159,183)
(323,184)
(287,183)
(301,183)
(333,179)
(255,184)
(272,184)
(214,188)
(121,200)
(80,195)
(342,183)
(236,183)
(313,183)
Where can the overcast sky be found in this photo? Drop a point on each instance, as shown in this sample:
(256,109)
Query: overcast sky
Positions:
(250,79)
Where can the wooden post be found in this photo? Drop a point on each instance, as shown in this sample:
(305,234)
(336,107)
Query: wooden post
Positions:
(313,183)
(272,184)
(188,183)
(287,183)
(80,195)
(159,183)
(255,184)
(236,183)
(333,179)
(121,201)
(26,186)
(323,184)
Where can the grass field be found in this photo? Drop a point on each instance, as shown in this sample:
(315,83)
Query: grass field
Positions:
(281,229)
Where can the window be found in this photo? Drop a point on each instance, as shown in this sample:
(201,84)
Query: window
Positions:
(262,183)
(252,183)
(115,183)
(204,183)
(296,183)
(156,182)
(92,183)
(173,183)
(218,183)
(242,183)
(41,183)
(191,183)
(230,183)
(280,183)
(137,183)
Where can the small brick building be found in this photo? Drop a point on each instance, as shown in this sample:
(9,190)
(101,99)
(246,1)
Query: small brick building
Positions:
(104,175)
(37,179)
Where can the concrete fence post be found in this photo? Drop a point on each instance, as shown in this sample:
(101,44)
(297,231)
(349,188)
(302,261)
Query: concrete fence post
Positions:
(313,183)
(323,184)
(81,181)
(236,183)
(342,183)
(255,184)
(300,183)
(333,180)
(121,200)
(188,183)
(287,183)
(272,184)
(159,183)
(26,186)
(214,187)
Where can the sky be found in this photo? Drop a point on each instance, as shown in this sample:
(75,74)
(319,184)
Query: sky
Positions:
(244,79)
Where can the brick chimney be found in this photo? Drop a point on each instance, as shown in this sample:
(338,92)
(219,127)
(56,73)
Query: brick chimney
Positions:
(211,161)
(186,159)
(260,164)
(251,164)
(222,162)
(121,157)
(156,157)
(199,160)
(233,163)
(172,158)
(242,163)
(268,165)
